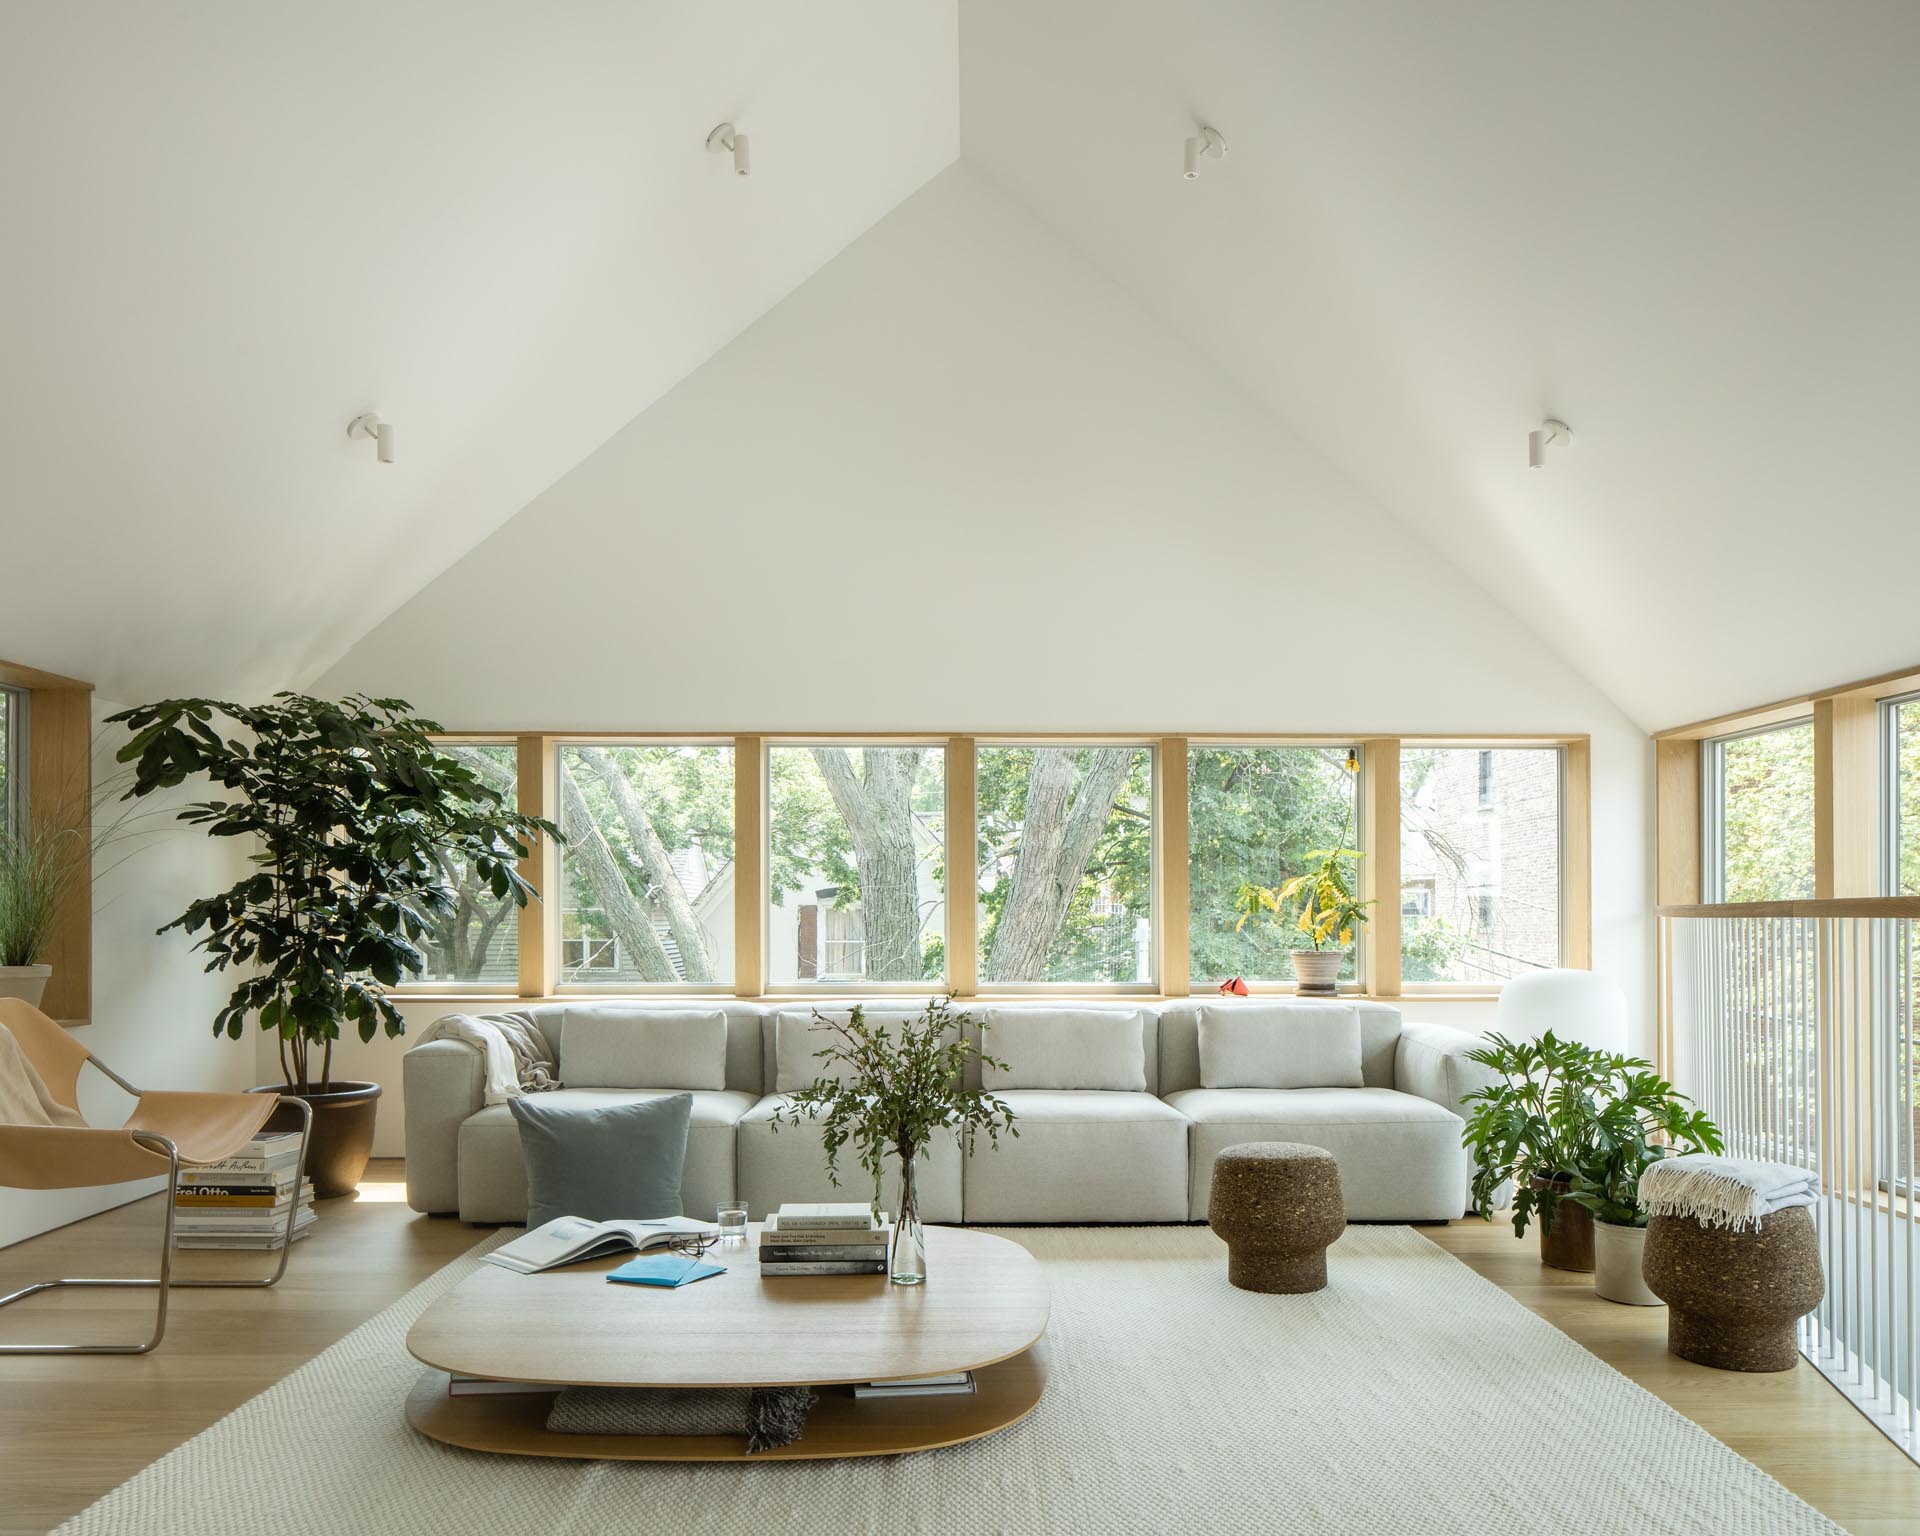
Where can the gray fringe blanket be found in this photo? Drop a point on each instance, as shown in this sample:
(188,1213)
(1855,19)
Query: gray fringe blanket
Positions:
(1724,1191)
(767,1416)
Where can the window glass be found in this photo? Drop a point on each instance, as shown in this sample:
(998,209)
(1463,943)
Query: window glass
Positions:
(648,864)
(1904,759)
(1257,816)
(1480,896)
(1759,811)
(856,864)
(478,944)
(9,780)
(1065,863)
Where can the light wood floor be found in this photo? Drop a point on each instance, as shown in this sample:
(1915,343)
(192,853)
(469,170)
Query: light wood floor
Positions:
(71,1428)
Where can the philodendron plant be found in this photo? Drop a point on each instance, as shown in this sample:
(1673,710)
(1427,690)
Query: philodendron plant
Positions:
(1581,1121)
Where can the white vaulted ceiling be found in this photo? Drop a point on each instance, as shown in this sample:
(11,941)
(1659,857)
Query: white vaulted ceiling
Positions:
(229,228)
(1688,230)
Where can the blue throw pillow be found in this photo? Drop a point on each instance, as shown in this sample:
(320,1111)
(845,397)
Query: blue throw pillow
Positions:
(611,1162)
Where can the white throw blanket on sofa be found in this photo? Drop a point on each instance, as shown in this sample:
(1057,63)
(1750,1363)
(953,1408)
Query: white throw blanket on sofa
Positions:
(1724,1191)
(517,1056)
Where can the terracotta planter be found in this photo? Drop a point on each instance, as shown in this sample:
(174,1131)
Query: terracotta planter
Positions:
(1317,970)
(27,982)
(342,1142)
(1617,1253)
(1570,1244)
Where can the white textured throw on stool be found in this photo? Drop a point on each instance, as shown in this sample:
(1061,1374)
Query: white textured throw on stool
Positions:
(1724,1191)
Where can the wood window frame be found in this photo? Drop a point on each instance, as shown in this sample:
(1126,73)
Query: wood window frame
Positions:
(1847,836)
(1379,840)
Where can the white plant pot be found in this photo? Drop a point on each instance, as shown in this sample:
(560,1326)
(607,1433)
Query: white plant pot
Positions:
(1318,969)
(1617,1252)
(25,981)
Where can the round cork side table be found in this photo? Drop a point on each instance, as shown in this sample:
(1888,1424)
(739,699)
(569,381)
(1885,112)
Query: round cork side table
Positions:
(1733,1298)
(1277,1205)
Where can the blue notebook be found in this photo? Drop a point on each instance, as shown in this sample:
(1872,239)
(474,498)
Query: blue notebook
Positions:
(667,1269)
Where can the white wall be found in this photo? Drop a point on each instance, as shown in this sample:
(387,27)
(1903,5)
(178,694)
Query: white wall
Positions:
(153,1006)
(961,481)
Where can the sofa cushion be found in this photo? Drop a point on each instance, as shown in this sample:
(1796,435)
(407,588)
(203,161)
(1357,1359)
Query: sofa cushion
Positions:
(1081,1156)
(797,1036)
(492,1174)
(1400,1156)
(606,1163)
(781,1162)
(609,1046)
(1280,1045)
(1065,1048)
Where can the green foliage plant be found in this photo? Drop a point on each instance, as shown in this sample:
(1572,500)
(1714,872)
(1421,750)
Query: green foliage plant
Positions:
(348,808)
(894,1088)
(1584,1122)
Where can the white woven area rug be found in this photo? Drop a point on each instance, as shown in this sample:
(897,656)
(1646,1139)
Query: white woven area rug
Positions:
(1410,1396)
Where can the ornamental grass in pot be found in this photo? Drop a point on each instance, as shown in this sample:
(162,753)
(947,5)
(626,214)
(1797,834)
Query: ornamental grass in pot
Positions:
(353,818)
(1571,1127)
(36,868)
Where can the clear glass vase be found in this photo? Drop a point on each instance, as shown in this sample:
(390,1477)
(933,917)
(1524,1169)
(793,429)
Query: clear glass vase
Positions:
(907,1261)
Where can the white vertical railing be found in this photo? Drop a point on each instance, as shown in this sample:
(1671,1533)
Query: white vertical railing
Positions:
(1792,1026)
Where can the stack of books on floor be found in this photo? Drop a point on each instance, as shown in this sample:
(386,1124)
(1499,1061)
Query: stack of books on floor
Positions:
(242,1202)
(824,1240)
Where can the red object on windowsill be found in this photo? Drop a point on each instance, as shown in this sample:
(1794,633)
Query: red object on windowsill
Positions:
(1233,988)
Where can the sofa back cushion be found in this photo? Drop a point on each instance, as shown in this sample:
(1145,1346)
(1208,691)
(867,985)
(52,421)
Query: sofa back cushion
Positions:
(796,1037)
(1280,1045)
(605,1045)
(1098,1048)
(1180,1039)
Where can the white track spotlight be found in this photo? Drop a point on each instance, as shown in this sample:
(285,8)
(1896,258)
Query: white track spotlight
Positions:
(1549,434)
(381,432)
(1208,143)
(723,140)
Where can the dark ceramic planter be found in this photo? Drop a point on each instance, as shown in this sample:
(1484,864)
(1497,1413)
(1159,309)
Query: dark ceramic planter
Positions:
(342,1133)
(1570,1244)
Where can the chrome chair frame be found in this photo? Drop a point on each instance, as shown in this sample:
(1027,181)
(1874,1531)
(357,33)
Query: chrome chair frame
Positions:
(166,1281)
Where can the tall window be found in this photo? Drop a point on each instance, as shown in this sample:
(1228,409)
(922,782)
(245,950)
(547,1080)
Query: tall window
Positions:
(856,864)
(648,865)
(1257,815)
(1480,862)
(1065,864)
(478,944)
(1757,838)
(13,758)
(1900,797)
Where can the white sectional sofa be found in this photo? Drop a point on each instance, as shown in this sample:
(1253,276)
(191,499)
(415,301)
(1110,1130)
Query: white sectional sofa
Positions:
(1118,1121)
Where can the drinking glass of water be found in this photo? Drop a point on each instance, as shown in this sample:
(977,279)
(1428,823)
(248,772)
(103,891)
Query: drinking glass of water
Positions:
(732,1221)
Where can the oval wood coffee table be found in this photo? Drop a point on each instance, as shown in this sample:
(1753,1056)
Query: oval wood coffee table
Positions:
(983,1309)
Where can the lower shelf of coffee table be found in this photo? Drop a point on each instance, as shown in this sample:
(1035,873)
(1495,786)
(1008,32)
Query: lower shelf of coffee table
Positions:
(840,1425)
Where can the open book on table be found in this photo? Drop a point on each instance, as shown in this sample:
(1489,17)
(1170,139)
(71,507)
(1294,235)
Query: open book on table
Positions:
(569,1239)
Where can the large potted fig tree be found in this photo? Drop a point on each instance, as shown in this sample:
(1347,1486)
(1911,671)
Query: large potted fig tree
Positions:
(350,809)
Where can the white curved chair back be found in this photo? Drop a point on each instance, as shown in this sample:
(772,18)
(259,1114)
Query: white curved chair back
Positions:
(1575,1005)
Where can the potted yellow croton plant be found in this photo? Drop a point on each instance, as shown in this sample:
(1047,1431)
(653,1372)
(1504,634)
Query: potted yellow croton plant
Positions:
(1329,913)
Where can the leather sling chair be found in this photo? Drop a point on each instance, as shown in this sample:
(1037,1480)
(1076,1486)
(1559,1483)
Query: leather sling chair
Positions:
(165,1132)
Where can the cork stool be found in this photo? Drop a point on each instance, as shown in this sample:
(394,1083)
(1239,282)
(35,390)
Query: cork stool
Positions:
(1278,1205)
(1734,1296)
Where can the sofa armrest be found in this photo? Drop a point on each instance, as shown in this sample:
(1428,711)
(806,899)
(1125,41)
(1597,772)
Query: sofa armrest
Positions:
(445,1083)
(1431,1063)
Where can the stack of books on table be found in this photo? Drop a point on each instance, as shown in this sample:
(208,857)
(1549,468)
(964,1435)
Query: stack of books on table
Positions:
(242,1202)
(824,1240)
(955,1384)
